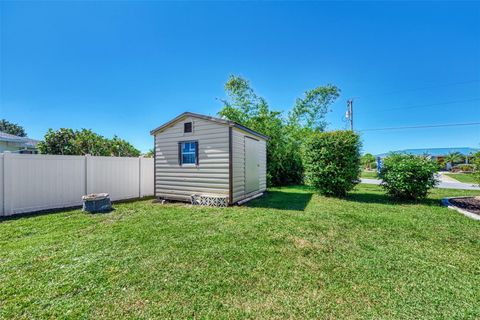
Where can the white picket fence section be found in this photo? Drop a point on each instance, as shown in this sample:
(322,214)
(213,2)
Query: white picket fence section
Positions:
(33,182)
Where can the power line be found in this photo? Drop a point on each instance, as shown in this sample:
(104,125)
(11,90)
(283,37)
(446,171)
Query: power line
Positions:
(424,126)
(423,105)
(424,88)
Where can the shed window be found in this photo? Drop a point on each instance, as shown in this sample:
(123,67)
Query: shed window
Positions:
(188,152)
(187,127)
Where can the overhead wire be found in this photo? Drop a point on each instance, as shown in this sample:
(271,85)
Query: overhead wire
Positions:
(422,106)
(418,106)
(422,126)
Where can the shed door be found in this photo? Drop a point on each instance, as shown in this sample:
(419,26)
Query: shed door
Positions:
(252,165)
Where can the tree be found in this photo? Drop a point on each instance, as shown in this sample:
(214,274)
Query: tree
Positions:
(150,153)
(368,160)
(245,107)
(80,142)
(121,148)
(476,163)
(12,128)
(284,161)
(453,157)
(88,142)
(61,141)
(310,111)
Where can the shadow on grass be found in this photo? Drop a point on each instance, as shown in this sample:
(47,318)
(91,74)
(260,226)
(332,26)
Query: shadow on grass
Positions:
(293,199)
(66,209)
(386,199)
(39,213)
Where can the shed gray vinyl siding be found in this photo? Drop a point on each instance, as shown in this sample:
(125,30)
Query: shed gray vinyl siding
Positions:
(238,158)
(212,174)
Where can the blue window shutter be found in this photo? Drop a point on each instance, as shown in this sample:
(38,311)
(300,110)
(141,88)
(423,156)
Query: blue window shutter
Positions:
(179,153)
(196,153)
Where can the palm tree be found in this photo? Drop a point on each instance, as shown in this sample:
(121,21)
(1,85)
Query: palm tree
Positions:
(453,157)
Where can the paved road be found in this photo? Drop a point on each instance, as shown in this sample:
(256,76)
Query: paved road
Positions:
(444,178)
(441,185)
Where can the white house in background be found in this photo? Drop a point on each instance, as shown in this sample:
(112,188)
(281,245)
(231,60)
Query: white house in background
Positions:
(16,144)
(202,155)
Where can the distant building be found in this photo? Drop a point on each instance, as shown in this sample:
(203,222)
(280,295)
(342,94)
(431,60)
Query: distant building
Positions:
(16,144)
(435,153)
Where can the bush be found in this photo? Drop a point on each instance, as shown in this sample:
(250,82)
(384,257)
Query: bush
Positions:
(463,168)
(407,176)
(476,163)
(332,161)
(442,164)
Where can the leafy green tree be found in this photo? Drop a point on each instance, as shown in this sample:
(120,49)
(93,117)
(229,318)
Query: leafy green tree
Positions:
(284,160)
(61,141)
(12,128)
(150,153)
(245,107)
(80,142)
(310,111)
(121,148)
(368,160)
(88,142)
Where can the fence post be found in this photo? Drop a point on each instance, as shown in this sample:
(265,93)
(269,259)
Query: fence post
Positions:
(140,176)
(6,205)
(2,172)
(87,156)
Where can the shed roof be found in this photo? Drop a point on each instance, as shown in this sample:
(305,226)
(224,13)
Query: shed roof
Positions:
(209,118)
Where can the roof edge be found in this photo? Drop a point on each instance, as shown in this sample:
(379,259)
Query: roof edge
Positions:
(209,118)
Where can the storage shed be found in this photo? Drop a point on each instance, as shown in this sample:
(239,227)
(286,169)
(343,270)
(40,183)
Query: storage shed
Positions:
(199,155)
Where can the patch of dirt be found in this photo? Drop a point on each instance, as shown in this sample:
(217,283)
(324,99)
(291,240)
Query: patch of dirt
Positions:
(471,204)
(302,243)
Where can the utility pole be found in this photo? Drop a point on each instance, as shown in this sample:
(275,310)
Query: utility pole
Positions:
(350,112)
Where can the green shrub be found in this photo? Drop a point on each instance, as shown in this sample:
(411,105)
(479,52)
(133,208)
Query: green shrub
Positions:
(476,163)
(332,161)
(407,176)
(463,168)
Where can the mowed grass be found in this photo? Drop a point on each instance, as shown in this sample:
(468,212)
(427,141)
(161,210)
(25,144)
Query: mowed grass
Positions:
(369,174)
(290,254)
(462,177)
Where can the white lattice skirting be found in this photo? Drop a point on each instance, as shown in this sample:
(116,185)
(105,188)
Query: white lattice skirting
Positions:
(210,200)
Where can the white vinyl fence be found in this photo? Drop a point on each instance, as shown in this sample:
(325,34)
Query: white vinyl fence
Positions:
(32,182)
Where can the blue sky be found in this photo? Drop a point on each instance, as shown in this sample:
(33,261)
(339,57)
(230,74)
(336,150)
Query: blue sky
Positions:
(126,67)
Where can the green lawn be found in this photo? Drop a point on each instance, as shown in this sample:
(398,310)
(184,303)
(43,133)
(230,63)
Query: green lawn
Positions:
(369,174)
(462,177)
(290,254)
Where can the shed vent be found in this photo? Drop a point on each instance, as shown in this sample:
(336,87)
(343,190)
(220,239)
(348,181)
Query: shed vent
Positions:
(187,127)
